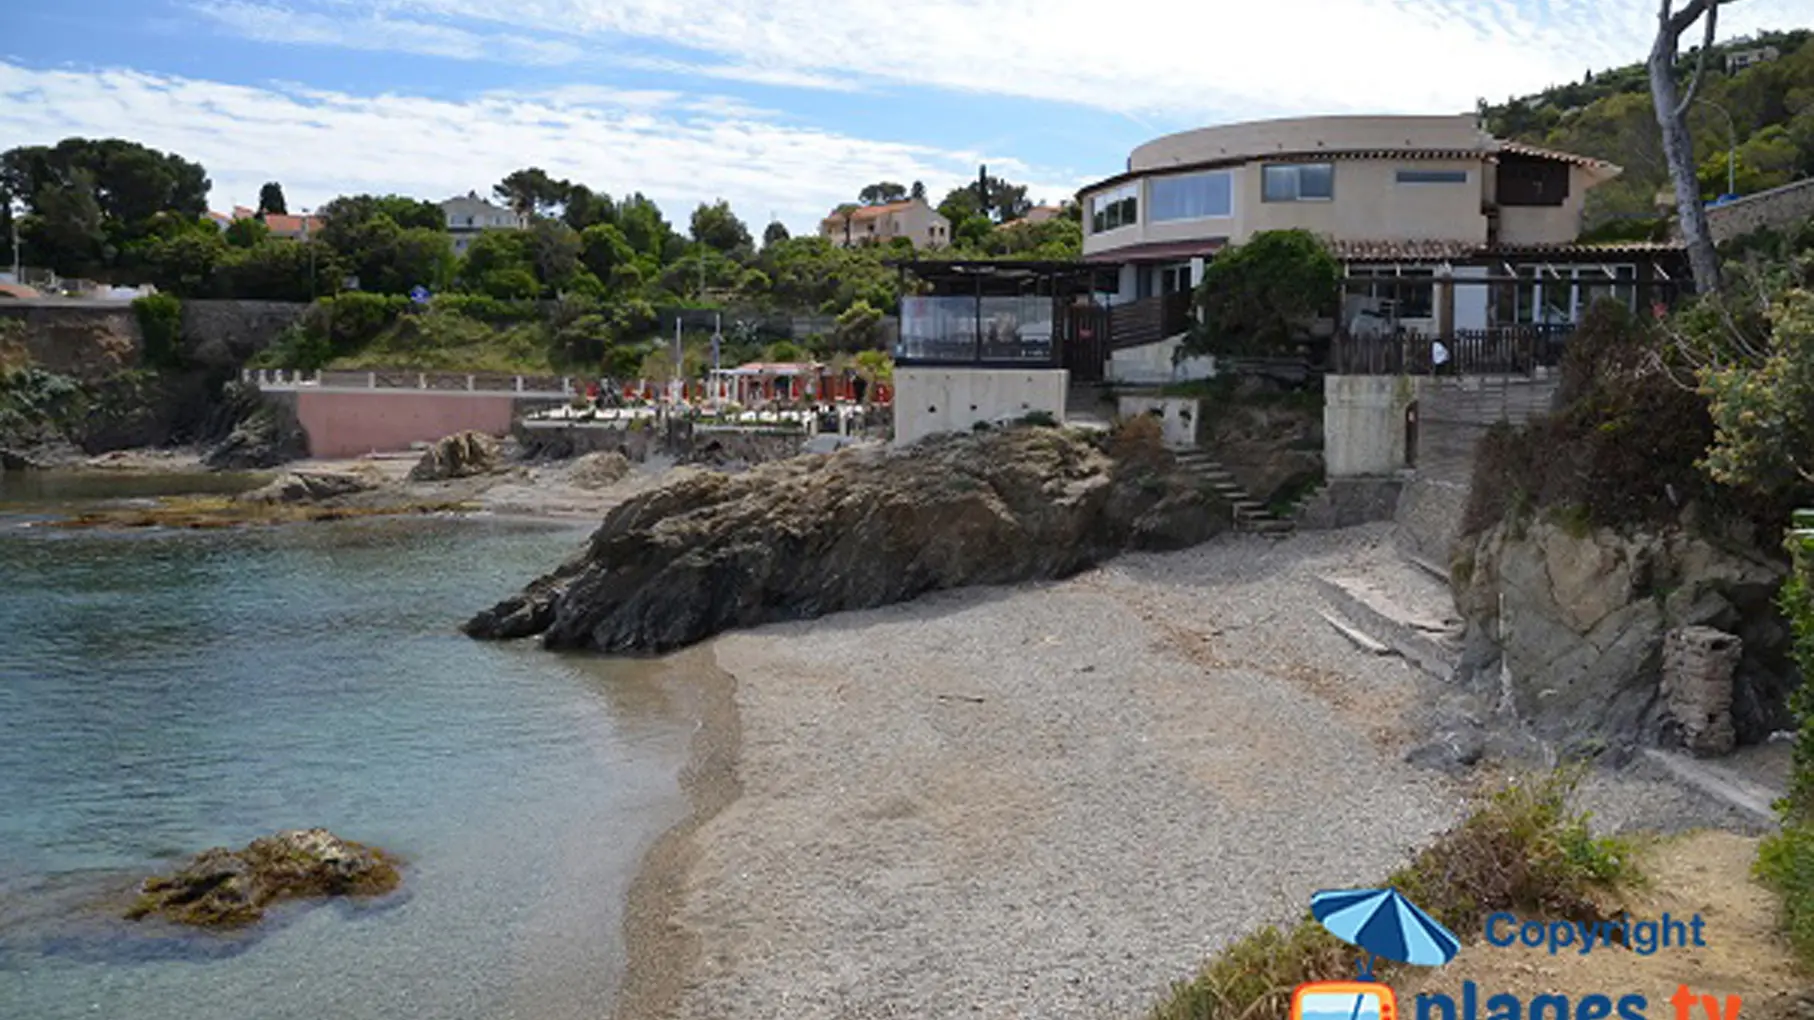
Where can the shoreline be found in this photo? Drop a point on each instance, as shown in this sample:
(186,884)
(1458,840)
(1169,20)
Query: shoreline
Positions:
(662,953)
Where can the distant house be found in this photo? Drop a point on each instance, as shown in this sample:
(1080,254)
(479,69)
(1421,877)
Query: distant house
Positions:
(1037,214)
(913,218)
(1738,60)
(221,220)
(468,215)
(294,228)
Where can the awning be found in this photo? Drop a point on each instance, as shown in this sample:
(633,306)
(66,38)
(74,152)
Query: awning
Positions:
(1161,251)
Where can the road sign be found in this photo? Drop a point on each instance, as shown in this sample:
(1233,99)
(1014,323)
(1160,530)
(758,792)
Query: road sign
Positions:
(419,295)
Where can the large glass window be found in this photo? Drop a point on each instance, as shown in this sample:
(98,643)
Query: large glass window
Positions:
(1397,298)
(1191,197)
(964,328)
(1115,209)
(1297,182)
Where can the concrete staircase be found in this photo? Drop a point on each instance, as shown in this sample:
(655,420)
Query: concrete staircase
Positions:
(1249,513)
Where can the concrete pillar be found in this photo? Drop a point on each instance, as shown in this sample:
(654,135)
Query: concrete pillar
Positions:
(421,380)
(469,383)
(1445,308)
(371,380)
(519,384)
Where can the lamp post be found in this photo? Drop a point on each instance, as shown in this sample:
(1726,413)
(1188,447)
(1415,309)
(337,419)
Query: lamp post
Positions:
(13,209)
(1731,145)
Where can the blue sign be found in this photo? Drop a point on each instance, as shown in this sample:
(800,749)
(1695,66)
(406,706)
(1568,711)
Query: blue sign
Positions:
(419,295)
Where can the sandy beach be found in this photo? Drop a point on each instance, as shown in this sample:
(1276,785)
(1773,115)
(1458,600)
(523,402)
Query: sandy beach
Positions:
(1046,800)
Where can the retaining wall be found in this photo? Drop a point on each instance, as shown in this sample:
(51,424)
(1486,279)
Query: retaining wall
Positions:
(928,401)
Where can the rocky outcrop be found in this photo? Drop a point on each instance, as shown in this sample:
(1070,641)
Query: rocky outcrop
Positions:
(461,455)
(598,470)
(314,486)
(863,527)
(262,431)
(228,888)
(1567,627)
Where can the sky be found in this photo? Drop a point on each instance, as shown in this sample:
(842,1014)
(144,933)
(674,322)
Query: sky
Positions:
(782,107)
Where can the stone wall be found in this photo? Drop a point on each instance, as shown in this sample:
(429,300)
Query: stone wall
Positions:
(1348,502)
(714,447)
(88,340)
(1776,208)
(226,334)
(1364,426)
(1698,666)
(1178,416)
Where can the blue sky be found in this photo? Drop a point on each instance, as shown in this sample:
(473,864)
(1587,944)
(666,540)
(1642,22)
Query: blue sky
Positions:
(783,107)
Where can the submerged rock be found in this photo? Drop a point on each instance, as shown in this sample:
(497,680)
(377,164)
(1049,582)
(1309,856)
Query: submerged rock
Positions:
(860,528)
(227,888)
(313,486)
(461,455)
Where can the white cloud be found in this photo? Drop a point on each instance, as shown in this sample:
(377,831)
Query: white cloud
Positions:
(278,24)
(1182,58)
(678,149)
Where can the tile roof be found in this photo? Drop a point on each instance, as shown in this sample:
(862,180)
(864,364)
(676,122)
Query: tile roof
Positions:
(1536,152)
(1606,248)
(1403,251)
(870,212)
(1163,251)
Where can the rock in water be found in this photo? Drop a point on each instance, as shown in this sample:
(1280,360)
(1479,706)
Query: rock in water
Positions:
(313,486)
(461,455)
(860,528)
(226,888)
(599,470)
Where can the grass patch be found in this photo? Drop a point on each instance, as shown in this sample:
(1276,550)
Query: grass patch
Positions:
(1524,848)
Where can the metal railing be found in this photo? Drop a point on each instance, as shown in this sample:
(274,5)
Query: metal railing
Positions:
(1513,350)
(397,379)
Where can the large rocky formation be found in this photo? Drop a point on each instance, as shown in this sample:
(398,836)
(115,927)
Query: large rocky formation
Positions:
(228,888)
(863,527)
(1568,626)
(260,431)
(461,455)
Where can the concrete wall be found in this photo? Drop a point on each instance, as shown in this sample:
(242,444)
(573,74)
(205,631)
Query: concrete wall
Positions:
(1152,365)
(1364,423)
(1306,134)
(928,401)
(1547,224)
(1178,416)
(1776,208)
(348,424)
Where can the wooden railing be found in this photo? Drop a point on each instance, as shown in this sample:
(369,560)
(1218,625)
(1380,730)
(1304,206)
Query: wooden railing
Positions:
(1149,320)
(1515,350)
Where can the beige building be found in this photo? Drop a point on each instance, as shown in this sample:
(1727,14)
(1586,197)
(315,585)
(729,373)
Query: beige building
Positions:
(912,218)
(1392,195)
(469,215)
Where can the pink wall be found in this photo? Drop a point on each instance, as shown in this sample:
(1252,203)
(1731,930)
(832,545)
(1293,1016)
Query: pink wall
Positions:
(351,424)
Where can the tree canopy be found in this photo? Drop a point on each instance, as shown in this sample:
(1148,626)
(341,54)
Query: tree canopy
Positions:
(270,199)
(1255,297)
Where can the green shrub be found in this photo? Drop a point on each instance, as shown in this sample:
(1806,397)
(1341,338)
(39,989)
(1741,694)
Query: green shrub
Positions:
(1785,863)
(161,327)
(1523,849)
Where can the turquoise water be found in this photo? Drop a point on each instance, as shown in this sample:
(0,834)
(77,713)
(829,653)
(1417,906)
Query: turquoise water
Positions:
(165,692)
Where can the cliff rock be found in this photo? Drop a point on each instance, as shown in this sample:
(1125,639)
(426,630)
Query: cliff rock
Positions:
(260,432)
(314,486)
(859,528)
(1568,626)
(598,470)
(228,888)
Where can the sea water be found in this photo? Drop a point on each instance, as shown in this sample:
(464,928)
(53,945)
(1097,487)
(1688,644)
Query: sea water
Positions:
(163,692)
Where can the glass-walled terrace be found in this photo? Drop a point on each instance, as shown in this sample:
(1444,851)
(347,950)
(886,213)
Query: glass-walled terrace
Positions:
(1013,330)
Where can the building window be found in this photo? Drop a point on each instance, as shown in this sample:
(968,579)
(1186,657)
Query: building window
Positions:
(1399,293)
(1532,182)
(1562,295)
(1173,279)
(1298,182)
(1115,209)
(1432,177)
(1191,197)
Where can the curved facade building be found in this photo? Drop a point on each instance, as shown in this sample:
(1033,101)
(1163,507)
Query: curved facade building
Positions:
(1393,196)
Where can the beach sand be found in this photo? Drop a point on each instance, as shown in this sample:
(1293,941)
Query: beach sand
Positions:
(1046,800)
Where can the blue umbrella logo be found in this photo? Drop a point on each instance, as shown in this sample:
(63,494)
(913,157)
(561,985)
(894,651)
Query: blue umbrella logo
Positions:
(1382,922)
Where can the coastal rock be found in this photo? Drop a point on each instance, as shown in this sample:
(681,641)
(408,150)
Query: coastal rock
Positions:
(863,527)
(227,888)
(598,470)
(1567,626)
(263,433)
(461,455)
(314,486)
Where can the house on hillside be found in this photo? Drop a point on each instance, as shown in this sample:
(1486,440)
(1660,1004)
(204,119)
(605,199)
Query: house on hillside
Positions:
(1738,60)
(913,219)
(1037,214)
(294,228)
(1439,225)
(469,214)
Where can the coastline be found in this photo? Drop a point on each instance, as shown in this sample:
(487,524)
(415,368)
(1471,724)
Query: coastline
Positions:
(661,952)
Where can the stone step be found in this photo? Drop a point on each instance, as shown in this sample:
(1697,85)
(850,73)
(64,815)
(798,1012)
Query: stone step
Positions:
(1433,645)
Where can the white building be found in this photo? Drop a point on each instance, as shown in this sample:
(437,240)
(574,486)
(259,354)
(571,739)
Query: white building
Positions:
(469,214)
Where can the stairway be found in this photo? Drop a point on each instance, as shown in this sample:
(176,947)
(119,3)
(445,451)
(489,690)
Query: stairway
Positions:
(1249,513)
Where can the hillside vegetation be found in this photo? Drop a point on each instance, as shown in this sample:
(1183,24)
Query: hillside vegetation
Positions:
(1609,115)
